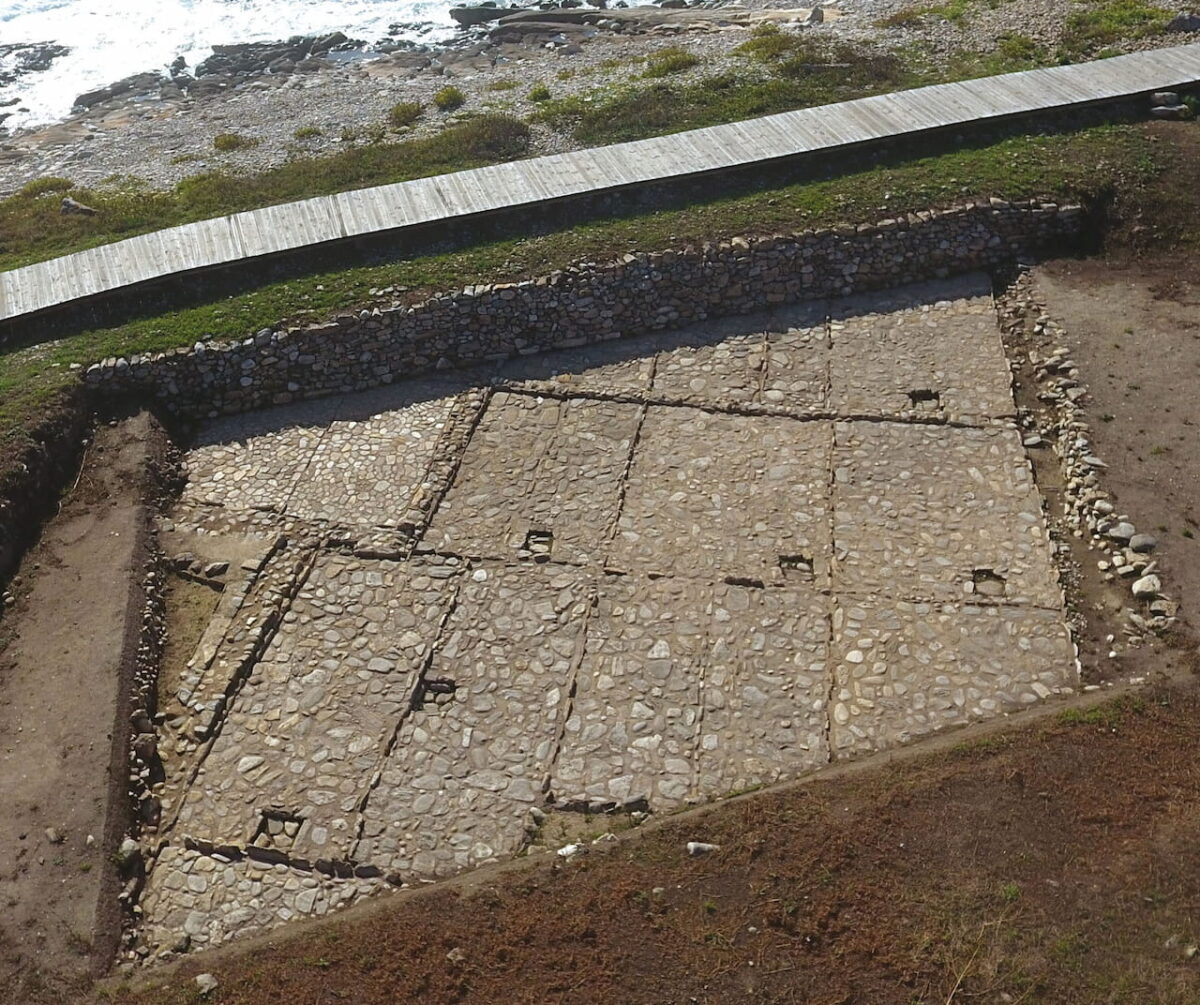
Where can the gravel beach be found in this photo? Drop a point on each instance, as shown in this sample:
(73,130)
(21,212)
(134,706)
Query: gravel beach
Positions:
(156,139)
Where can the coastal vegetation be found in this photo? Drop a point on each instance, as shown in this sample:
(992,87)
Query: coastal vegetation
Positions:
(1075,166)
(32,229)
(1089,29)
(226,143)
(673,59)
(449,98)
(405,113)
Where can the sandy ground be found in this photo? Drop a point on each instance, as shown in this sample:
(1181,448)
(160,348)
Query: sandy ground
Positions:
(1136,336)
(63,677)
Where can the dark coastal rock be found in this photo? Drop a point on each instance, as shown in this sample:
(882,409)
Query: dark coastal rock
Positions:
(1184,23)
(468,17)
(139,83)
(29,57)
(274,57)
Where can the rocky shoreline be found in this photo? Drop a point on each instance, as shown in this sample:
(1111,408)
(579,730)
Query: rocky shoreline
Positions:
(308,96)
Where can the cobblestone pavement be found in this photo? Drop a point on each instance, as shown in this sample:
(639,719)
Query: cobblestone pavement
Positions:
(627,576)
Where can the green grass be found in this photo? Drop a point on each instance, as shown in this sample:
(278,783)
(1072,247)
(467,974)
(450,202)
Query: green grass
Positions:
(308,133)
(954,11)
(46,186)
(227,143)
(672,59)
(32,229)
(538,93)
(503,85)
(793,71)
(1060,167)
(1103,24)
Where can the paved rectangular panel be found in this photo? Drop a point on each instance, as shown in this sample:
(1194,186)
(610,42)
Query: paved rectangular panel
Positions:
(766,688)
(457,788)
(540,475)
(313,721)
(904,670)
(939,513)
(796,373)
(356,460)
(254,461)
(716,495)
(211,901)
(632,734)
(925,351)
(372,459)
(717,361)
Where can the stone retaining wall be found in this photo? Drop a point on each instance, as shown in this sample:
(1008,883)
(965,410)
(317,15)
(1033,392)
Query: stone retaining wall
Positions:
(584,304)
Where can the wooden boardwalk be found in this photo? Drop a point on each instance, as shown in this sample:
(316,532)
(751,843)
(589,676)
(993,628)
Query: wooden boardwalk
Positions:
(294,226)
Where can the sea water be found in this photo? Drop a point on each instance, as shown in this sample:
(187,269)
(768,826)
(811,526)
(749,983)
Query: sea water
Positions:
(111,39)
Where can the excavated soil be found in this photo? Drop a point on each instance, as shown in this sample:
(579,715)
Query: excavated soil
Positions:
(66,657)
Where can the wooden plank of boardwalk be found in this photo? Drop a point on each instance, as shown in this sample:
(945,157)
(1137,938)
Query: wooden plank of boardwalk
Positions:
(362,212)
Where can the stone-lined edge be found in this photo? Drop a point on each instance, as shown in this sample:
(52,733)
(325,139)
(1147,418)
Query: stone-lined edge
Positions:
(583,304)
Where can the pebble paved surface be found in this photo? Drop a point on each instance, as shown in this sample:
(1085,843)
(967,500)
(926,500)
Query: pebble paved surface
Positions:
(536,464)
(635,575)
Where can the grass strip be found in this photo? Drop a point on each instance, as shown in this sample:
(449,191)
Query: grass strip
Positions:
(1071,166)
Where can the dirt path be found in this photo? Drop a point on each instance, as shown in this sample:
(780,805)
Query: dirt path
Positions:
(1135,332)
(63,676)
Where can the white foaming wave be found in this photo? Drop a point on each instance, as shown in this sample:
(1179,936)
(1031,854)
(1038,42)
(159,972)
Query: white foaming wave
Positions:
(111,39)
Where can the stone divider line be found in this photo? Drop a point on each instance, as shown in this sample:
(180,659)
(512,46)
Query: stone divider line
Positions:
(541,181)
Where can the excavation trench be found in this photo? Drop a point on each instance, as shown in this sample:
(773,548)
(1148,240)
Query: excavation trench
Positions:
(501,610)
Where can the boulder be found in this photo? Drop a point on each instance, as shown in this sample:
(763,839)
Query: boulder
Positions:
(72,207)
(468,17)
(1184,22)
(1147,588)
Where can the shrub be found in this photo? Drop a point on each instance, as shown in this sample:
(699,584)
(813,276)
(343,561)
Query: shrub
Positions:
(308,133)
(228,142)
(668,61)
(503,85)
(766,42)
(405,113)
(349,134)
(44,186)
(1018,48)
(539,92)
(449,98)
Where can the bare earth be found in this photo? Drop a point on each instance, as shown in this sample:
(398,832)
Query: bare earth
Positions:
(61,690)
